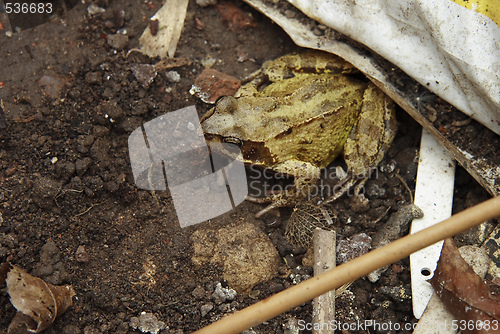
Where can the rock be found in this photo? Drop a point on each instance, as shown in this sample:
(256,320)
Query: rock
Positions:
(144,73)
(477,258)
(204,309)
(82,255)
(117,41)
(353,247)
(147,323)
(245,253)
(173,76)
(199,292)
(221,295)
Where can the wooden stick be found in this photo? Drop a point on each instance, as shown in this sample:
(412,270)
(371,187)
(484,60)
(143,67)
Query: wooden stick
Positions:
(324,260)
(352,270)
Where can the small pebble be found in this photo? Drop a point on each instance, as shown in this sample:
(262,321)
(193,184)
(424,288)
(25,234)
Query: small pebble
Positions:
(221,294)
(204,309)
(173,76)
(81,254)
(147,323)
(117,41)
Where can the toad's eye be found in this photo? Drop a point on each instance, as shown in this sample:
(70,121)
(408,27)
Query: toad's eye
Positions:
(233,140)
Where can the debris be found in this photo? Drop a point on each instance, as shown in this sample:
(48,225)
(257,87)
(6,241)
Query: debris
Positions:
(173,76)
(208,61)
(435,166)
(169,63)
(324,260)
(204,309)
(147,323)
(234,17)
(38,303)
(171,20)
(117,41)
(199,24)
(212,84)
(242,54)
(393,229)
(353,247)
(304,219)
(144,73)
(3,120)
(396,225)
(50,267)
(82,255)
(221,294)
(463,292)
(206,3)
(93,9)
(52,85)
(153,26)
(44,191)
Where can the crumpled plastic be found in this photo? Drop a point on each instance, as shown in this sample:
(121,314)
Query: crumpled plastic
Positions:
(452,50)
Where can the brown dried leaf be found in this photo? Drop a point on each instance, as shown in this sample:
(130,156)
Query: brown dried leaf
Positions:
(41,302)
(212,84)
(234,17)
(464,293)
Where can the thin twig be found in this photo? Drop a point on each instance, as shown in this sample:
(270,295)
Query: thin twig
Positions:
(406,186)
(87,210)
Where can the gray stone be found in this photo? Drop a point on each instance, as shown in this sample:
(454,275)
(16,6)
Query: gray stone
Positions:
(204,309)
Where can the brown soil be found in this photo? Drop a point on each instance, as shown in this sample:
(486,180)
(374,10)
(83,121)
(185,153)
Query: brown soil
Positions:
(139,257)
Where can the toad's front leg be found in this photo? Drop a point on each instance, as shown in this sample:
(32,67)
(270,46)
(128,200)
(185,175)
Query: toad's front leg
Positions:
(305,176)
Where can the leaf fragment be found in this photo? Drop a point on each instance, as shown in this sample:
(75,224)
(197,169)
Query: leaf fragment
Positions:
(463,292)
(38,303)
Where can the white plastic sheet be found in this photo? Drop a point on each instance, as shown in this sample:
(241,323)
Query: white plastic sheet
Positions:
(452,50)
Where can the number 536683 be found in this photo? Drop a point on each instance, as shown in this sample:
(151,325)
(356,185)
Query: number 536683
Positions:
(28,8)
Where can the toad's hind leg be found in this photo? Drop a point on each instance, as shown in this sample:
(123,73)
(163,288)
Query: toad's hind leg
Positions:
(369,139)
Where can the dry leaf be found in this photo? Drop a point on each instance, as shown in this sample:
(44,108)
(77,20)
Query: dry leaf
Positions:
(162,41)
(212,84)
(234,17)
(464,293)
(38,303)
